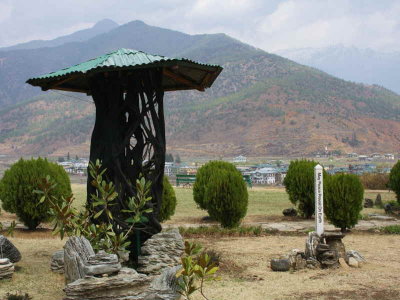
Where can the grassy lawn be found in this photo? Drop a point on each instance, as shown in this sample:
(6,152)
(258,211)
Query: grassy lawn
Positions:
(267,203)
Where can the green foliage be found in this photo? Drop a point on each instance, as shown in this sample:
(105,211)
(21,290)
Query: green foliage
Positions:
(217,231)
(17,296)
(18,183)
(343,200)
(394,180)
(391,229)
(103,236)
(168,203)
(299,184)
(226,197)
(196,268)
(203,178)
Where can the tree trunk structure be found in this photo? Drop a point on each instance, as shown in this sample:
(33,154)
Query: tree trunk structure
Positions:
(129,140)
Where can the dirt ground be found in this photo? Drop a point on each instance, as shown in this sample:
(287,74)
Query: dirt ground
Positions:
(245,272)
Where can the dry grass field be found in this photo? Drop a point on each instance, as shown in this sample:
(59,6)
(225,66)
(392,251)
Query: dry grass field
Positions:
(245,272)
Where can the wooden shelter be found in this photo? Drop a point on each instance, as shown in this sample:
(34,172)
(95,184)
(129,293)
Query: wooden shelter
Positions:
(128,87)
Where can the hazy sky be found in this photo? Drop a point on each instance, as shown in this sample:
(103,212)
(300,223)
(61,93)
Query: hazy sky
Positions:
(267,24)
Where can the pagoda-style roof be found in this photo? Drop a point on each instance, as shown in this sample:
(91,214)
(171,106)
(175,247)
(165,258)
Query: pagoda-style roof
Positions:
(178,73)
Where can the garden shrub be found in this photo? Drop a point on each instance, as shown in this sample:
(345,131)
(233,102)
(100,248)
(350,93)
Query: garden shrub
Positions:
(226,197)
(299,184)
(394,180)
(343,200)
(375,181)
(19,182)
(203,178)
(168,204)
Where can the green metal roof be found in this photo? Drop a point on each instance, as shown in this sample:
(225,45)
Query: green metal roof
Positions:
(179,73)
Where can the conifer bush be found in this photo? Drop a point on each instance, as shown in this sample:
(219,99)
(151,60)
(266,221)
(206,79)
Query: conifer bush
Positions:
(299,184)
(226,197)
(168,204)
(394,180)
(343,197)
(203,178)
(19,182)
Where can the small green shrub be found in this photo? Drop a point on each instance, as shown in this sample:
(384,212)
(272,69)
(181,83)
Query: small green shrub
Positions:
(394,180)
(226,197)
(168,204)
(203,178)
(299,184)
(343,200)
(391,229)
(18,296)
(19,182)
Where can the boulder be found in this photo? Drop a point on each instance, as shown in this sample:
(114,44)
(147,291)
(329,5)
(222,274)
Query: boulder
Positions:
(353,262)
(297,259)
(162,250)
(8,250)
(81,261)
(290,212)
(6,268)
(126,285)
(280,265)
(343,263)
(368,203)
(356,255)
(57,262)
(378,201)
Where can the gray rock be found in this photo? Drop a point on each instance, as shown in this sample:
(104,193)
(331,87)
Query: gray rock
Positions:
(8,250)
(126,285)
(280,265)
(380,217)
(81,261)
(160,251)
(368,203)
(311,245)
(353,262)
(290,212)
(57,262)
(6,268)
(312,263)
(297,259)
(356,255)
(378,201)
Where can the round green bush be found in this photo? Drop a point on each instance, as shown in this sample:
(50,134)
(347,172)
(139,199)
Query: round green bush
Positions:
(203,178)
(226,197)
(343,197)
(19,182)
(299,184)
(394,180)
(168,203)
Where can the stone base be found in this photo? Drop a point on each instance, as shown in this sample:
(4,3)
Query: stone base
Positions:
(6,268)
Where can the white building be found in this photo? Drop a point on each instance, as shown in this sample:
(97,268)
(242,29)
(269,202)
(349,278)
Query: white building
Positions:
(240,159)
(264,176)
(389,156)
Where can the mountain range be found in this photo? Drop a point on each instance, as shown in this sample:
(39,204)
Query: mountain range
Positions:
(351,63)
(261,105)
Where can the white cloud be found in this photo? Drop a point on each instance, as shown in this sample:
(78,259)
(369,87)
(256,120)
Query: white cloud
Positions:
(271,25)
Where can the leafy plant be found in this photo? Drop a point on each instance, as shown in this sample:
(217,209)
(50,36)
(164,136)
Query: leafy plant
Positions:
(17,296)
(203,178)
(196,268)
(168,203)
(226,197)
(391,229)
(343,200)
(104,235)
(24,176)
(299,184)
(394,180)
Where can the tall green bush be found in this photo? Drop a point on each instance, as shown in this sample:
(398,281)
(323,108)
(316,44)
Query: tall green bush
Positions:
(299,184)
(343,197)
(226,197)
(168,203)
(394,180)
(203,178)
(19,182)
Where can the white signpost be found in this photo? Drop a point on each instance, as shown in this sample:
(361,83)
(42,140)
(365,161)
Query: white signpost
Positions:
(319,200)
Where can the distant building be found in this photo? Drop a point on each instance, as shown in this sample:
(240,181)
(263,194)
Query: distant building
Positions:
(264,176)
(352,155)
(363,157)
(240,159)
(389,156)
